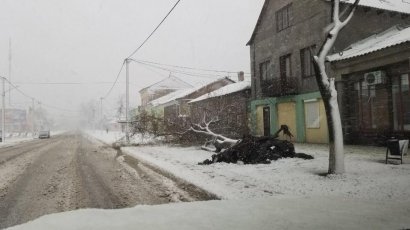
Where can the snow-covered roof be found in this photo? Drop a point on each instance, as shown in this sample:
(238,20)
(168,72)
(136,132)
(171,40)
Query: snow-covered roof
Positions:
(170,82)
(181,93)
(391,37)
(172,96)
(401,6)
(228,89)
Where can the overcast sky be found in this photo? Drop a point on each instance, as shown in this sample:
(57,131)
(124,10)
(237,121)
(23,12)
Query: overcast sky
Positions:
(77,41)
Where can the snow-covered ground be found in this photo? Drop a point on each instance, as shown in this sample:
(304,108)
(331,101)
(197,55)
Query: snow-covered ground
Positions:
(258,214)
(114,136)
(14,139)
(367,176)
(288,193)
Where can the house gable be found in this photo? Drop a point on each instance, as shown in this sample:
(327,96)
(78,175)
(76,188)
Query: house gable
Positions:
(162,88)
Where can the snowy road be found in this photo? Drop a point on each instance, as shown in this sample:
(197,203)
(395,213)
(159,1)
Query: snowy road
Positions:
(69,172)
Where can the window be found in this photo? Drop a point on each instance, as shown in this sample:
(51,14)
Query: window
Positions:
(284,18)
(306,61)
(312,114)
(264,69)
(285,71)
(401,102)
(372,103)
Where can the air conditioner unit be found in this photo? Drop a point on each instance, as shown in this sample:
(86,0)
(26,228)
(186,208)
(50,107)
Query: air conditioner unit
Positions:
(374,78)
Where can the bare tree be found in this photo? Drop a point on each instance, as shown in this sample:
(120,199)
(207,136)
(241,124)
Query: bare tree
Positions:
(203,128)
(327,86)
(88,114)
(121,108)
(147,123)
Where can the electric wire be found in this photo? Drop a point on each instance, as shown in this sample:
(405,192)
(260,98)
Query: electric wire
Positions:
(181,71)
(28,96)
(190,68)
(115,82)
(156,28)
(68,83)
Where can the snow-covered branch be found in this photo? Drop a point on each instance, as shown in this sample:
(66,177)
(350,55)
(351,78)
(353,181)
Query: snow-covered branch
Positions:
(217,139)
(203,128)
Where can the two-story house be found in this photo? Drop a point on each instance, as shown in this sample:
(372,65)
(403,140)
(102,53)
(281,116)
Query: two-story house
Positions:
(162,88)
(174,107)
(287,33)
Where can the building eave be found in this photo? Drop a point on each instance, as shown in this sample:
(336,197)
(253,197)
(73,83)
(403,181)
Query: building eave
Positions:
(262,13)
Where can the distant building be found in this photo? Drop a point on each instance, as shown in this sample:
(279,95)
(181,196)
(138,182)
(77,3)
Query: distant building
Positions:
(16,120)
(174,107)
(162,88)
(229,105)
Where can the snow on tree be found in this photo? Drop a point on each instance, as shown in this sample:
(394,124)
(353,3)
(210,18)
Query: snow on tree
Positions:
(218,140)
(327,86)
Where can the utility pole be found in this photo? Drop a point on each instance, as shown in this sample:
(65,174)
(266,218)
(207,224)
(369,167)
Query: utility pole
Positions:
(32,117)
(127,101)
(41,116)
(10,58)
(101,112)
(3,112)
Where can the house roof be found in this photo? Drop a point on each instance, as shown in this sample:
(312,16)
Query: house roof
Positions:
(400,6)
(182,93)
(264,8)
(389,38)
(228,89)
(170,82)
(172,96)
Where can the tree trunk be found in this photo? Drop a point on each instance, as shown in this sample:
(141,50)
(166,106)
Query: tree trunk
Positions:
(328,90)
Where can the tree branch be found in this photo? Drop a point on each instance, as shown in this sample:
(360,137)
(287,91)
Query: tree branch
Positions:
(351,9)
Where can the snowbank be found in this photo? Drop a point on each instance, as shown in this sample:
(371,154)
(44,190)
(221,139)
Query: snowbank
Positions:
(14,139)
(270,213)
(117,136)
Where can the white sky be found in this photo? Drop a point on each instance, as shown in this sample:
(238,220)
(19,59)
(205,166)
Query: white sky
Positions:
(86,41)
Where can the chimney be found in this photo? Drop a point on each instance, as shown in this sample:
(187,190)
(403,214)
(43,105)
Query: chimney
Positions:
(241,76)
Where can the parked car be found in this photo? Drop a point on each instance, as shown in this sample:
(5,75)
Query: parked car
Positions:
(44,134)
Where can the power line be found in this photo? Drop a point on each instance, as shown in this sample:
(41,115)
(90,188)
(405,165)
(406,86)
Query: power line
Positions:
(66,83)
(115,82)
(190,68)
(28,96)
(180,71)
(156,28)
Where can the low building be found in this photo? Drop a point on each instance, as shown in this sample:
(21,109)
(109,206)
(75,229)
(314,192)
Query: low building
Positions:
(229,105)
(16,120)
(372,78)
(174,107)
(162,88)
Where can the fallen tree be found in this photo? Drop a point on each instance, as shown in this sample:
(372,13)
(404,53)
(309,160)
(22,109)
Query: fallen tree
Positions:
(219,141)
(258,150)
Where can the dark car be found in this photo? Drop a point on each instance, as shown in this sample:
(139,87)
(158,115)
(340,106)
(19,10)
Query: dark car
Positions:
(44,134)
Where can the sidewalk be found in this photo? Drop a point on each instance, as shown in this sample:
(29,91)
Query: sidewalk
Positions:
(366,177)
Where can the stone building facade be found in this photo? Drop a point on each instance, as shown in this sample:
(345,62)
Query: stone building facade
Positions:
(284,89)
